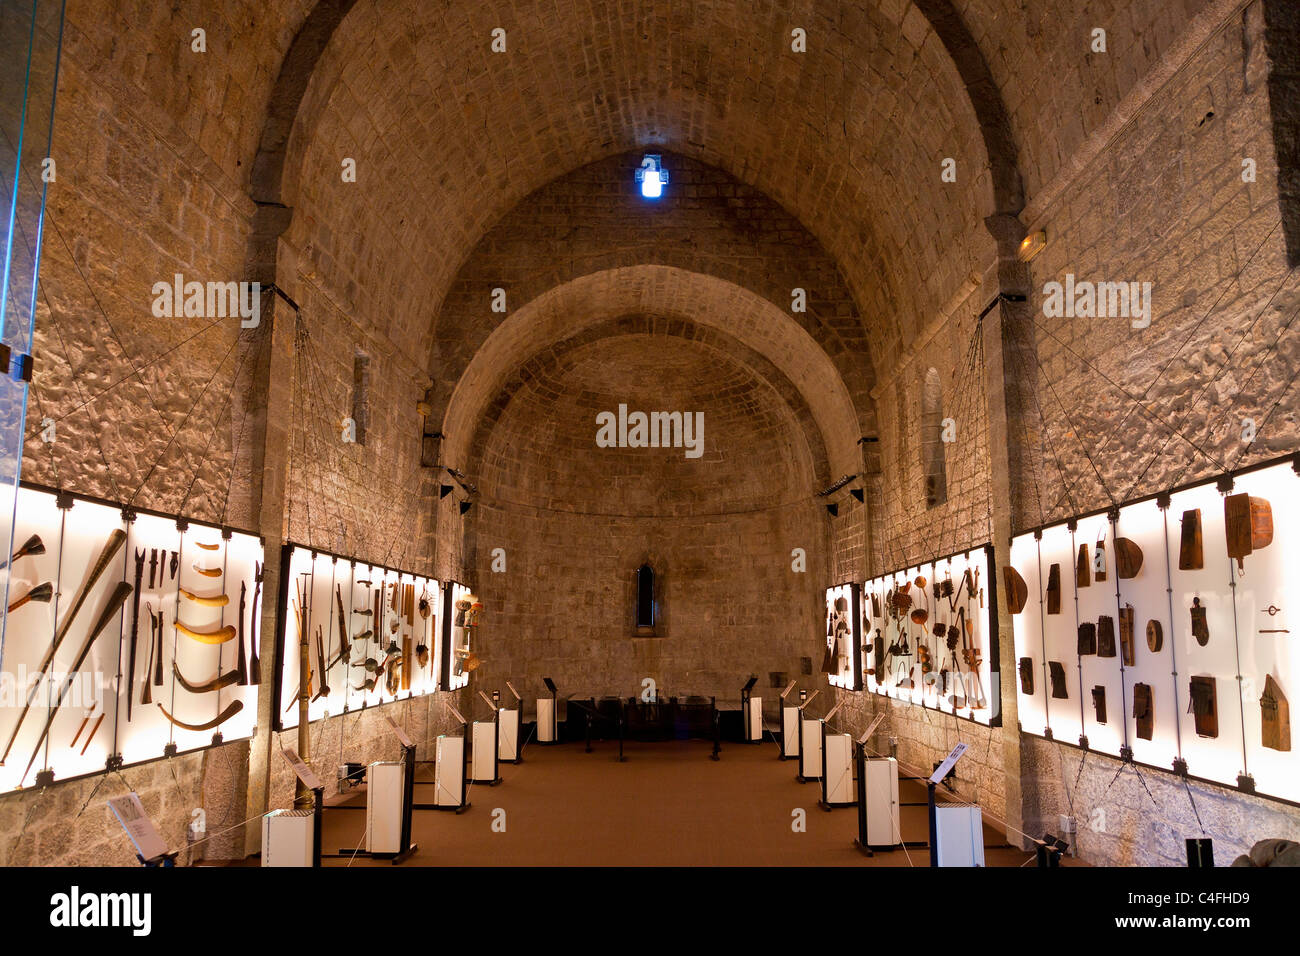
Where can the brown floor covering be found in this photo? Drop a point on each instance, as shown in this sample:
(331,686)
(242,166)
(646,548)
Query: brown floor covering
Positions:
(668,805)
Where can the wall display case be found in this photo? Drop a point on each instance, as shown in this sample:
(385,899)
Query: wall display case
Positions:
(929,636)
(841,661)
(132,635)
(372,634)
(1162,631)
(462,614)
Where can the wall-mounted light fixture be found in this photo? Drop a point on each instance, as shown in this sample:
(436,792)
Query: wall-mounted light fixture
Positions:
(652,176)
(1031,246)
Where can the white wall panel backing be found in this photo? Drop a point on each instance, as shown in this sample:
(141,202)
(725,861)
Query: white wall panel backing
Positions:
(1238,656)
(73,540)
(843,621)
(326,578)
(971,693)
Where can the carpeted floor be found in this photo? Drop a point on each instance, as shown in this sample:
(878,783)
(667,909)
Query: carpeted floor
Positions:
(668,805)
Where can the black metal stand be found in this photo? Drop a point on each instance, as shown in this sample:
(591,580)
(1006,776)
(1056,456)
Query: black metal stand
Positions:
(717,732)
(555,716)
(934,824)
(405,848)
(746,724)
(825,801)
(621,713)
(860,766)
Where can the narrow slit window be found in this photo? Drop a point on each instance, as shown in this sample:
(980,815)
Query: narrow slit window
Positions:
(932,445)
(361,395)
(645,598)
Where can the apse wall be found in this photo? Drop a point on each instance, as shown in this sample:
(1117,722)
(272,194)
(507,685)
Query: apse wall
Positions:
(574,521)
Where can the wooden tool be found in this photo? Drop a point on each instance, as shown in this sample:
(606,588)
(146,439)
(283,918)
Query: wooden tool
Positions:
(91,736)
(241,665)
(111,608)
(1191,556)
(1155,636)
(1082,574)
(254,666)
(1017,590)
(97,570)
(31,547)
(146,696)
(222,680)
(1275,716)
(216,600)
(234,707)
(1054,589)
(1248,525)
(1128,647)
(207,572)
(1128,558)
(221,636)
(1200,626)
(41,594)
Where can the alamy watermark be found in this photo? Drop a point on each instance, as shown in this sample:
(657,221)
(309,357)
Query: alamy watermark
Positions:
(1098,300)
(208,300)
(651,430)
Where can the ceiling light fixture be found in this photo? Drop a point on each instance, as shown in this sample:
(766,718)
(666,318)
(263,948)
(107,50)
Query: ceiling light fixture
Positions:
(652,176)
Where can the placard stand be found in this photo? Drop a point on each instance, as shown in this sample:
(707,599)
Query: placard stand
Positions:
(511,748)
(449,772)
(486,745)
(863,841)
(140,830)
(405,848)
(837,766)
(548,714)
(956,832)
(810,744)
(751,715)
(270,821)
(789,725)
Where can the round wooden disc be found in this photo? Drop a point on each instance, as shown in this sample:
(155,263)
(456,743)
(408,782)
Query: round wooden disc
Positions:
(1155,636)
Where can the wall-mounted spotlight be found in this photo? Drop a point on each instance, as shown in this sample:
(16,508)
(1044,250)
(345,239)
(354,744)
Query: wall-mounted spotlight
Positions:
(652,176)
(1031,246)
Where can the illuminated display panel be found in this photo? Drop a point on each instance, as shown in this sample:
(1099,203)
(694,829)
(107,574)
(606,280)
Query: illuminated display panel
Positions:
(1243,637)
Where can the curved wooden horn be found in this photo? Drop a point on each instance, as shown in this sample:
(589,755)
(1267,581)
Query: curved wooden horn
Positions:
(227,633)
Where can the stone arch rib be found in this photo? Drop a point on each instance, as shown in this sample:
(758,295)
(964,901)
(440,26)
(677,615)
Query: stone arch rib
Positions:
(986,100)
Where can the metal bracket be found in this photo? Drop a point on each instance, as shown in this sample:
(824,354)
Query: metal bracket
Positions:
(1126,754)
(128,514)
(226,533)
(1083,741)
(182,525)
(1072,525)
(114,762)
(45,778)
(1180,766)
(1164,500)
(170,750)
(64,501)
(1224,484)
(1038,534)
(217,739)
(1245,783)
